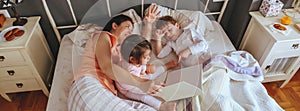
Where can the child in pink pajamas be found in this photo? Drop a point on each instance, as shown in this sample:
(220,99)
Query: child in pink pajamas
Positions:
(135,51)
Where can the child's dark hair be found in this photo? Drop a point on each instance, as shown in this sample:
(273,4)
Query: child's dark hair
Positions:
(134,46)
(164,20)
(118,20)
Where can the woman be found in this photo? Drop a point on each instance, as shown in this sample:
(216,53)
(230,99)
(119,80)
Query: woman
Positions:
(97,70)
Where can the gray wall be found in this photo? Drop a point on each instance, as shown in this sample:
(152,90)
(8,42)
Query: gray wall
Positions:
(237,18)
(62,16)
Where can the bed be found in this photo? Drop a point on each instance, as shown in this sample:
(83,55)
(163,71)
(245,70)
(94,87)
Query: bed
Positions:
(224,88)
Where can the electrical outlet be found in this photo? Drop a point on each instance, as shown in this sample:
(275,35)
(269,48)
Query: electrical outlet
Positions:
(5,12)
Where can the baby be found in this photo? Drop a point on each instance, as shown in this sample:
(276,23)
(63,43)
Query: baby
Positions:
(189,45)
(135,51)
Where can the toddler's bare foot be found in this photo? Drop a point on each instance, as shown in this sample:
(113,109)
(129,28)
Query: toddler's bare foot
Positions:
(168,106)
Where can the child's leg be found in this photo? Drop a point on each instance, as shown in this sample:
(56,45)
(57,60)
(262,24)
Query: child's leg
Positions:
(145,98)
(152,101)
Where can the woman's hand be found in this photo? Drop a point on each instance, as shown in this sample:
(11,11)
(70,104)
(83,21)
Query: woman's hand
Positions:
(152,14)
(155,88)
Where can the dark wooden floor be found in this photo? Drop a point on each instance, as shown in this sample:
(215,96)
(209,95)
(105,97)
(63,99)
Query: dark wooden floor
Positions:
(25,101)
(287,97)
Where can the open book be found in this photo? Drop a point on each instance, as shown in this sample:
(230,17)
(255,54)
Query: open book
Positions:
(182,83)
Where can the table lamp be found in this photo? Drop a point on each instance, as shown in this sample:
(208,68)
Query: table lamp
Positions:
(12,4)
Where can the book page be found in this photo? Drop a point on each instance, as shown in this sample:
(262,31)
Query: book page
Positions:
(182,83)
(192,75)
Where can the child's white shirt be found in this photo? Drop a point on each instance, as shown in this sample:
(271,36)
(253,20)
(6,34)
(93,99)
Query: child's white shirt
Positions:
(188,39)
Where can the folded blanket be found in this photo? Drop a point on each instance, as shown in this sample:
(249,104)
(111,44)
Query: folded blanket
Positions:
(242,63)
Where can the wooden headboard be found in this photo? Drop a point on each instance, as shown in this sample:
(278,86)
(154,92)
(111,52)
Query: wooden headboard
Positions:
(202,5)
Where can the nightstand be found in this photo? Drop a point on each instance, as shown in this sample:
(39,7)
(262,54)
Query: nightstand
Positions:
(25,64)
(278,54)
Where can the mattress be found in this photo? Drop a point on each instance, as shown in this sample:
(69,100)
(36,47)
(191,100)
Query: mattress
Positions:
(218,43)
(218,40)
(63,76)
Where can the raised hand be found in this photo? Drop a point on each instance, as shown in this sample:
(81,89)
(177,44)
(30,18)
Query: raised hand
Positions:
(149,19)
(152,14)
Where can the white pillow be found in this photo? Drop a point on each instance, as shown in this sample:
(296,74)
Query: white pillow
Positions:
(200,22)
(136,20)
(84,31)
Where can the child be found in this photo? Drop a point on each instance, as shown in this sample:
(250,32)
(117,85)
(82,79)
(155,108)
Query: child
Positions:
(188,45)
(135,51)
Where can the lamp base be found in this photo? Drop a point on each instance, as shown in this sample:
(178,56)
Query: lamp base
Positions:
(20,22)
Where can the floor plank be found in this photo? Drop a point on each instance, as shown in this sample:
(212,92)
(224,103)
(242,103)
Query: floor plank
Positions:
(287,97)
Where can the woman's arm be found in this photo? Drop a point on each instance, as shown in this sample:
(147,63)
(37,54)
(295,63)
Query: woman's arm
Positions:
(103,56)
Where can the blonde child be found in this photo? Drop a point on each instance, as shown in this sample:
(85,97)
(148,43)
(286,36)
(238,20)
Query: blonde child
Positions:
(189,45)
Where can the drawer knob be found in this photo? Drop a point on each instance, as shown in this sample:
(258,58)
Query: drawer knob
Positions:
(19,85)
(2,58)
(295,46)
(268,68)
(11,72)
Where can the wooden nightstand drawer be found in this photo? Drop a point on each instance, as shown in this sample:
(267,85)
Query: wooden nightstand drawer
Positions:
(287,46)
(9,58)
(19,85)
(10,73)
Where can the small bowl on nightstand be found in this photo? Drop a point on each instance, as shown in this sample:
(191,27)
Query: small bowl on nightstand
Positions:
(286,20)
(12,33)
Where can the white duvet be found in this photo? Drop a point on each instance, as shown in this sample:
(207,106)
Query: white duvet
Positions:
(227,90)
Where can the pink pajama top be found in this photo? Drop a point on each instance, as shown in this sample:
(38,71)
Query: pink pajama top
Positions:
(89,65)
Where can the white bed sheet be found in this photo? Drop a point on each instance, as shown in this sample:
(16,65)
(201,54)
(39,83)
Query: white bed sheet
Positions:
(218,42)
(63,76)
